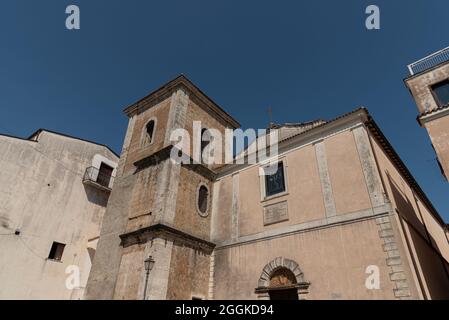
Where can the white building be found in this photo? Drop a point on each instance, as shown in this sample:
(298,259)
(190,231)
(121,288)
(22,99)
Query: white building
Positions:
(53,193)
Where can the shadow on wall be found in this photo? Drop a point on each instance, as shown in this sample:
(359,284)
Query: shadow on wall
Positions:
(91,252)
(96,196)
(428,256)
(5,222)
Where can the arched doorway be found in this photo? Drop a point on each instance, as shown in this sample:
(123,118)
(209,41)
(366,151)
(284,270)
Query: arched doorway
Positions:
(282,285)
(282,279)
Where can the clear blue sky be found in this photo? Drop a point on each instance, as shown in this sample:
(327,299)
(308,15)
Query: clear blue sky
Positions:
(306,59)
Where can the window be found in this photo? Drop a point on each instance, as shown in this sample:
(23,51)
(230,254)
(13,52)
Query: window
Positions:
(150,130)
(205,135)
(274,179)
(104,174)
(441,93)
(203,198)
(56,251)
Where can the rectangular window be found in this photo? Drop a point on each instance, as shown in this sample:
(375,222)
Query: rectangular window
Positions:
(104,174)
(274,179)
(56,251)
(441,93)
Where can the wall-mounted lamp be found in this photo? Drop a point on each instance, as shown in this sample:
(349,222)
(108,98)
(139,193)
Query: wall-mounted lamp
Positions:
(149,264)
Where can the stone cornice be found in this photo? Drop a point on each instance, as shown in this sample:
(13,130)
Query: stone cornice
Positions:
(164,154)
(433,115)
(182,82)
(163,231)
(328,222)
(154,158)
(201,170)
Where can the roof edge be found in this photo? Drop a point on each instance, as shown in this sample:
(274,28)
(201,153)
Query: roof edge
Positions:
(369,122)
(182,80)
(360,114)
(400,165)
(38,131)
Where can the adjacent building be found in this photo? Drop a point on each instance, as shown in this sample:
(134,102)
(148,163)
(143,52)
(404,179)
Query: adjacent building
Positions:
(53,194)
(429,85)
(341,217)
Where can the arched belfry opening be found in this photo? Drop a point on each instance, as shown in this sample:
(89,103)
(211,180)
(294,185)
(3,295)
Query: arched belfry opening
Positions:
(282,279)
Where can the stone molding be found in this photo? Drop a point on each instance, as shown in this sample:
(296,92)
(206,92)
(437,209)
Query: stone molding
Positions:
(163,231)
(208,200)
(433,115)
(235,207)
(153,159)
(325,180)
(369,168)
(393,258)
(211,290)
(328,222)
(164,154)
(280,262)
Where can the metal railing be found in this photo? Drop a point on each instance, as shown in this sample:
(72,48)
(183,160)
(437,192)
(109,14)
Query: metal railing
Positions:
(93,175)
(429,62)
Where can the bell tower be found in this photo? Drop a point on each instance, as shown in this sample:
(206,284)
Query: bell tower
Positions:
(429,85)
(159,208)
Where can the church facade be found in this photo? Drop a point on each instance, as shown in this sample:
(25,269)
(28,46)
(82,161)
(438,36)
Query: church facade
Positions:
(341,217)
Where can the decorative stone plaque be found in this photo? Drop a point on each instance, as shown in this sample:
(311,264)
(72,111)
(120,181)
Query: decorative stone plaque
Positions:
(275,213)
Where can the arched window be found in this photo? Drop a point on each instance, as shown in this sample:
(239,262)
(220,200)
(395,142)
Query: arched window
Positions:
(151,125)
(205,136)
(283,285)
(202,200)
(282,277)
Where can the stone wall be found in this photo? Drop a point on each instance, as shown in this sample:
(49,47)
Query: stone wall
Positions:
(189,273)
(153,210)
(333,188)
(436,121)
(333,259)
(43,197)
(425,253)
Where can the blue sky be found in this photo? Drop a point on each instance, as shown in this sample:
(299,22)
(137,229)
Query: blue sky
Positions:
(306,59)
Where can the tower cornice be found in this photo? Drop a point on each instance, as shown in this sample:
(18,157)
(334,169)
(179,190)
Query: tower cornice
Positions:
(183,83)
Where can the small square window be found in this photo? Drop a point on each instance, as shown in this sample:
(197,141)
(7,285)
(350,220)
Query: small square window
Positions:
(441,93)
(274,179)
(56,251)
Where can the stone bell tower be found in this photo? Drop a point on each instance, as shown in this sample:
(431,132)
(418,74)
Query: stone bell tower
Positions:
(429,85)
(159,208)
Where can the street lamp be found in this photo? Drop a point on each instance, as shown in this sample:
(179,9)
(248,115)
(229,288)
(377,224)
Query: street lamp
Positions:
(149,264)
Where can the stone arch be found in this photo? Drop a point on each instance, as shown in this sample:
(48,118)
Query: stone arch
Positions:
(281,263)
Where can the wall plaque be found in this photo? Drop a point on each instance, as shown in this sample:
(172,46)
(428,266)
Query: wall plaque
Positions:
(275,213)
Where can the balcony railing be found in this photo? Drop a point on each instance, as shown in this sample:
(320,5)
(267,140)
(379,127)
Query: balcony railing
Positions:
(93,176)
(429,62)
